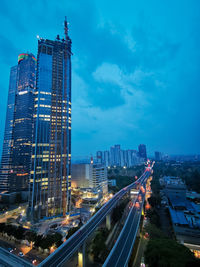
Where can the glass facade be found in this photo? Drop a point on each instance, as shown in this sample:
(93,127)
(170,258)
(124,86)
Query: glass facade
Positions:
(6,166)
(23,123)
(50,180)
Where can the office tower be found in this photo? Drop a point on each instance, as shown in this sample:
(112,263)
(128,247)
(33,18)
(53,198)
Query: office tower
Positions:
(129,158)
(106,158)
(99,156)
(50,182)
(23,122)
(122,161)
(6,166)
(117,155)
(142,151)
(112,156)
(158,155)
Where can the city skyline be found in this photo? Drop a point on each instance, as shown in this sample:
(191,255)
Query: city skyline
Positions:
(128,87)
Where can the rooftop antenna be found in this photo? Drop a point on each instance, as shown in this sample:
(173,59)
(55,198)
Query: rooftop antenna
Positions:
(66,28)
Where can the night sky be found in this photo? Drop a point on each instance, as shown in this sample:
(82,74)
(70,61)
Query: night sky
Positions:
(136,68)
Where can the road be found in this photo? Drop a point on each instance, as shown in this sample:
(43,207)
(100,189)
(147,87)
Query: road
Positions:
(66,250)
(8,259)
(120,253)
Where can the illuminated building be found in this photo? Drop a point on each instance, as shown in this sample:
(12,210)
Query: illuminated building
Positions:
(90,176)
(23,122)
(50,180)
(6,166)
(15,165)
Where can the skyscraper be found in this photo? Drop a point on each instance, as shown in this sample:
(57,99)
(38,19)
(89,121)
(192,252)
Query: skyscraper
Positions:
(15,164)
(99,157)
(158,155)
(6,163)
(23,122)
(50,181)
(142,151)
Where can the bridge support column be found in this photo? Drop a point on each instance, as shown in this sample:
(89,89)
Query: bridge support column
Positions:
(108,222)
(81,256)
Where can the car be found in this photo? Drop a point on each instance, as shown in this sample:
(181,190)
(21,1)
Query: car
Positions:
(21,254)
(10,250)
(34,262)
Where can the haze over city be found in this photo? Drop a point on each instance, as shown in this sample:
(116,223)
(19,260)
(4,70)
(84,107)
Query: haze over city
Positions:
(135,73)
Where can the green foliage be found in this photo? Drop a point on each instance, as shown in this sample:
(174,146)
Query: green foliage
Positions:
(118,211)
(39,240)
(154,200)
(11,230)
(99,249)
(168,253)
(154,231)
(153,216)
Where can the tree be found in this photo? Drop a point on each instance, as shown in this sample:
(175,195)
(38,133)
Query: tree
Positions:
(168,253)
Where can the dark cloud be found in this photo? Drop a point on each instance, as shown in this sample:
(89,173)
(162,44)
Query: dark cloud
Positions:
(8,51)
(106,95)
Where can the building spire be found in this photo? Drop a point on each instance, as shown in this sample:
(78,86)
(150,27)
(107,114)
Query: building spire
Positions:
(66,28)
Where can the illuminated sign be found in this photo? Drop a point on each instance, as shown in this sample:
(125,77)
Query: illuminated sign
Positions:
(25,56)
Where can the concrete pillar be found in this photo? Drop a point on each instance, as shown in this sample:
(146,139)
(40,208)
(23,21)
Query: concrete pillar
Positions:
(108,222)
(81,256)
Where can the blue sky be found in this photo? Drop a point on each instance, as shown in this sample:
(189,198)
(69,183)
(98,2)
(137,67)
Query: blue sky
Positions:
(136,68)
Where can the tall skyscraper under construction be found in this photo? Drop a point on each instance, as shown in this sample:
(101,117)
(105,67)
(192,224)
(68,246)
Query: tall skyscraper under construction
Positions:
(50,180)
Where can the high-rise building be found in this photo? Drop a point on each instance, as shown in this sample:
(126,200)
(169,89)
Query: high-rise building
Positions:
(50,181)
(106,158)
(81,175)
(91,175)
(158,155)
(117,155)
(99,178)
(23,122)
(6,160)
(99,157)
(122,159)
(142,151)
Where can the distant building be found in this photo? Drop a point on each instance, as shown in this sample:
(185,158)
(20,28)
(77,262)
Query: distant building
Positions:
(90,175)
(174,187)
(112,182)
(158,155)
(185,214)
(106,158)
(81,175)
(99,178)
(99,157)
(142,151)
